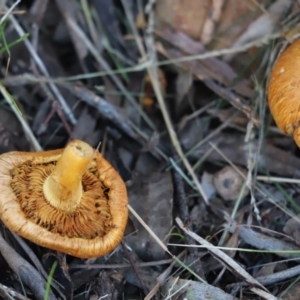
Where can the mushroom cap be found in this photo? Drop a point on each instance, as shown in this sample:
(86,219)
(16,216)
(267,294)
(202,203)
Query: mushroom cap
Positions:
(284,90)
(229,182)
(77,233)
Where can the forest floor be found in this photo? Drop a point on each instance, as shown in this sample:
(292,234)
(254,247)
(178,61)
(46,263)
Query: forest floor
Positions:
(174,95)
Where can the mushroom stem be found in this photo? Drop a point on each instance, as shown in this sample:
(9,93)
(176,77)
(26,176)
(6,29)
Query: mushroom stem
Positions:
(63,188)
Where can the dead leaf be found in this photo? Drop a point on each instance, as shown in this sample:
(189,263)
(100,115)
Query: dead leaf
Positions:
(85,128)
(229,182)
(194,131)
(292,228)
(151,196)
(207,183)
(240,121)
(271,159)
(265,242)
(264,25)
(267,23)
(186,16)
(184,82)
(189,289)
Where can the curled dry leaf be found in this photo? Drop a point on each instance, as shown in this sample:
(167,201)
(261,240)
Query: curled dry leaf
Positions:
(218,68)
(70,200)
(265,242)
(229,182)
(266,23)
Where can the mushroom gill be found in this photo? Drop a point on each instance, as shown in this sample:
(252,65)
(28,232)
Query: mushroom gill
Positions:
(70,200)
(91,218)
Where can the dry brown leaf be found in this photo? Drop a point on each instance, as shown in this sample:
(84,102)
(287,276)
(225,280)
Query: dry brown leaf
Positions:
(189,46)
(151,196)
(271,158)
(292,228)
(184,82)
(190,17)
(266,24)
(186,16)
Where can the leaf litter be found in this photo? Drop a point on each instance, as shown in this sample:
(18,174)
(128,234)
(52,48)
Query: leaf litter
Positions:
(175,91)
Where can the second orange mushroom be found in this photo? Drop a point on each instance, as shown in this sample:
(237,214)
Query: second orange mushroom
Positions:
(284,91)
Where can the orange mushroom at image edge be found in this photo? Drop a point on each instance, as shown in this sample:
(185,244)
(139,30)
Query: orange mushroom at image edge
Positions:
(70,200)
(284,91)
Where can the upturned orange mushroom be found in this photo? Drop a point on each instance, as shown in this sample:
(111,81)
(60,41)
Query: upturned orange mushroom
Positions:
(284,91)
(70,200)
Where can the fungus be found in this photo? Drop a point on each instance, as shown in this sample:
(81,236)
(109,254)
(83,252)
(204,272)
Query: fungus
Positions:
(284,91)
(229,182)
(70,200)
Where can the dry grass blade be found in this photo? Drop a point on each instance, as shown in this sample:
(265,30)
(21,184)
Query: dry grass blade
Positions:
(27,273)
(161,244)
(84,39)
(9,11)
(223,258)
(44,71)
(173,136)
(156,86)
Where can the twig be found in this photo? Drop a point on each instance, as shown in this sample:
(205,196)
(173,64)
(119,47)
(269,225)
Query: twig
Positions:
(226,260)
(134,267)
(36,262)
(180,199)
(11,292)
(272,278)
(160,243)
(9,11)
(27,273)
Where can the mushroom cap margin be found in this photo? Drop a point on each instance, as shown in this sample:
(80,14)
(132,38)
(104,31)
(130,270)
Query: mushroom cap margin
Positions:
(14,219)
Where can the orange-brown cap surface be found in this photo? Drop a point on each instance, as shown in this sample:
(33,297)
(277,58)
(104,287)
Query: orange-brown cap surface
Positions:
(35,189)
(284,91)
